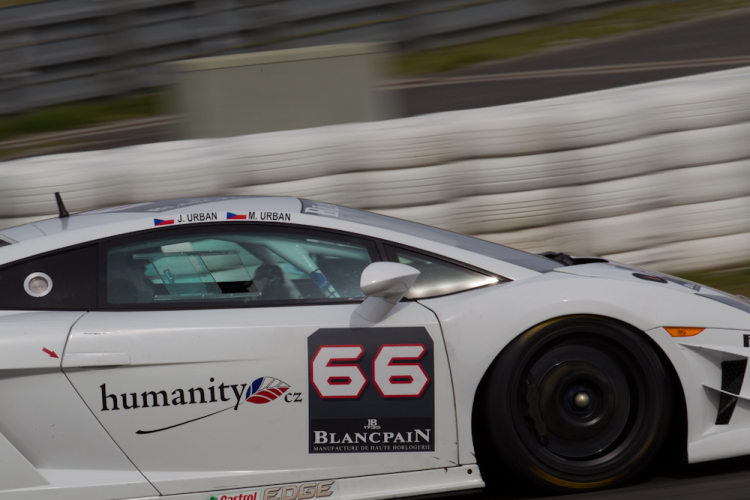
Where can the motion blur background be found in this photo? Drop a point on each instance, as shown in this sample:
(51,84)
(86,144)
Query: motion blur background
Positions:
(592,127)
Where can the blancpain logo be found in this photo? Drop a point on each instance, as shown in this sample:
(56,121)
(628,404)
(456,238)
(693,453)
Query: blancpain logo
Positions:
(415,436)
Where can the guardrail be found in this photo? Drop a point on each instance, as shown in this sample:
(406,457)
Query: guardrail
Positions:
(60,51)
(656,175)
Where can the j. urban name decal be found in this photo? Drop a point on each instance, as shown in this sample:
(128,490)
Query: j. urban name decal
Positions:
(262,390)
(188,219)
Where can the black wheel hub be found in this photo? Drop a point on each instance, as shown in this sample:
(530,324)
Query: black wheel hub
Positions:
(584,401)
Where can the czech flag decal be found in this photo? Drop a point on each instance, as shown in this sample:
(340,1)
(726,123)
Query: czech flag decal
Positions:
(265,389)
(163,222)
(231,216)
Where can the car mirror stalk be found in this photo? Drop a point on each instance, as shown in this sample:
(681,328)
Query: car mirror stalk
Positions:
(384,284)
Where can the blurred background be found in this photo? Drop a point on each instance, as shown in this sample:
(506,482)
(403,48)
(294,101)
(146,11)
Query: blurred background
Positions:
(591,127)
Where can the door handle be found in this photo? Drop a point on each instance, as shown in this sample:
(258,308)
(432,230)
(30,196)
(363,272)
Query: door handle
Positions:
(95,359)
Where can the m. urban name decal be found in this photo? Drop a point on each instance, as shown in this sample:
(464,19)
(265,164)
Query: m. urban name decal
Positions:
(270,216)
(261,391)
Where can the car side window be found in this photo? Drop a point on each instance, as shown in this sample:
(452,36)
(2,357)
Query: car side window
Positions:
(438,277)
(232,266)
(60,281)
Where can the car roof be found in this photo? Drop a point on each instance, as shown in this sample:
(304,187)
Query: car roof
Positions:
(55,233)
(163,209)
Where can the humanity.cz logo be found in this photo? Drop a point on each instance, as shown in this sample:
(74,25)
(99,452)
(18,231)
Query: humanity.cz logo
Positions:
(262,390)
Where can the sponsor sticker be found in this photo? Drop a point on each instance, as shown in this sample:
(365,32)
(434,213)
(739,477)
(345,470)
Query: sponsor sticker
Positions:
(300,491)
(238,495)
(371,392)
(322,209)
(262,390)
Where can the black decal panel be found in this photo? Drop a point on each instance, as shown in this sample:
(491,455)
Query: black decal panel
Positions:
(371,390)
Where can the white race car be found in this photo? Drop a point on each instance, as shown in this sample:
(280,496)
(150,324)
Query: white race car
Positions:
(280,349)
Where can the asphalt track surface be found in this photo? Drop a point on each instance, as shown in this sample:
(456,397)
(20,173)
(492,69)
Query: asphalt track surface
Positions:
(720,480)
(712,44)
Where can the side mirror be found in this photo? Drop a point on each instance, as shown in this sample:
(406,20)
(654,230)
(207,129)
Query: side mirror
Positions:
(384,284)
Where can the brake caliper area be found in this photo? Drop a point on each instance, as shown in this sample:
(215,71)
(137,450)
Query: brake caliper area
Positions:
(533,413)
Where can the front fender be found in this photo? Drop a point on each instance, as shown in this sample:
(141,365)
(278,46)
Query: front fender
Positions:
(477,325)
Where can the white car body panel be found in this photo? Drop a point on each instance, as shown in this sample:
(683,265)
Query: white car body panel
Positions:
(186,349)
(98,454)
(51,444)
(478,324)
(698,362)
(375,487)
(25,335)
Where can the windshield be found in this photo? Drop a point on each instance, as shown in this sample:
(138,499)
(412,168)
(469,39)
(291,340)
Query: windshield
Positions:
(481,247)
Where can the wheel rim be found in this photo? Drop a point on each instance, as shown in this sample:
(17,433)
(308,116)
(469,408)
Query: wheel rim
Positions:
(578,402)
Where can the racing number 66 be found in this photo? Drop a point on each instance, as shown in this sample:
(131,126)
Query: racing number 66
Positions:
(393,380)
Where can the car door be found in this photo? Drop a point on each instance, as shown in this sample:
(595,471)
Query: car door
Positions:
(232,356)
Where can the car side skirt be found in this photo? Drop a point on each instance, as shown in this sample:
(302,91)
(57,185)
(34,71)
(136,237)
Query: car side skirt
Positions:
(384,486)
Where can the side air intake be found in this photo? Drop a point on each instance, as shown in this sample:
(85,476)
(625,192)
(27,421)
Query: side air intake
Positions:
(732,374)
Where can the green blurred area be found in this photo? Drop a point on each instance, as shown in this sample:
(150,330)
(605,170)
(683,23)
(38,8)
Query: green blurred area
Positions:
(79,114)
(735,281)
(14,3)
(613,22)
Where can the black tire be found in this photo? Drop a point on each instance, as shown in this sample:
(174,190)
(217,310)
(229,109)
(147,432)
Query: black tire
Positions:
(579,403)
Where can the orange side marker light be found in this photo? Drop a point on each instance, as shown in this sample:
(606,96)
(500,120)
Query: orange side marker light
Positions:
(681,331)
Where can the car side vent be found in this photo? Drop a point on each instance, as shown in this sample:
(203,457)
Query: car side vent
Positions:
(732,374)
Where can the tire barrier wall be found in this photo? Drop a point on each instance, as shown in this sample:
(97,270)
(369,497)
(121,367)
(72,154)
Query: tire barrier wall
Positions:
(656,175)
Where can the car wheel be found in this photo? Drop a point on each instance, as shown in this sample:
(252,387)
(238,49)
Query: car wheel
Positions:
(577,403)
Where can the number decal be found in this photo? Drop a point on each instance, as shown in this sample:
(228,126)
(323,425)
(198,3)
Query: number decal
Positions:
(338,381)
(392,377)
(395,409)
(400,380)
